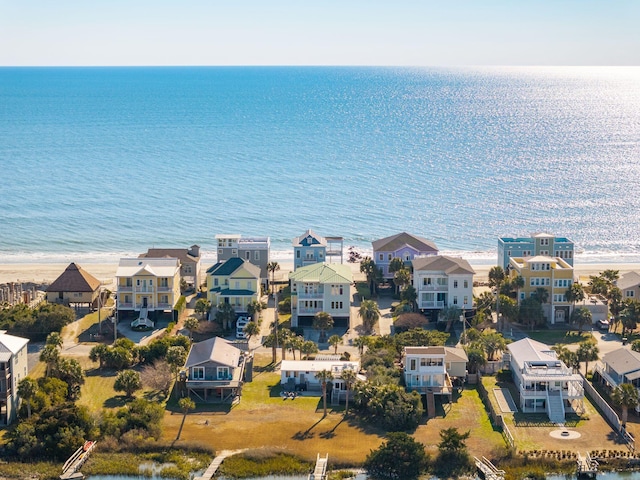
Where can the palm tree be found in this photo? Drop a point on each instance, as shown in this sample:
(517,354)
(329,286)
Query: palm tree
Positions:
(191,323)
(322,321)
(517,283)
(334,341)
(324,376)
(202,306)
(395,265)
(185,405)
(251,330)
(370,314)
(587,352)
(541,294)
(401,278)
(49,355)
(27,389)
(349,378)
(582,316)
(55,339)
(272,268)
(253,309)
(361,342)
(575,293)
(626,396)
(368,267)
(629,316)
(308,347)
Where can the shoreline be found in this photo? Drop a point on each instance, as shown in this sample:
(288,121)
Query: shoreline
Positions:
(46,273)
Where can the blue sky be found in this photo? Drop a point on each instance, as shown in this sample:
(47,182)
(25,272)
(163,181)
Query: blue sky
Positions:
(327,32)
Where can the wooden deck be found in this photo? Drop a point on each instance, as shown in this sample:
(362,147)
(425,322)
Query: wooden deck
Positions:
(320,470)
(75,461)
(488,470)
(586,466)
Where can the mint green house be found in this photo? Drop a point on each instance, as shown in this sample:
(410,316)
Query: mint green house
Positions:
(321,287)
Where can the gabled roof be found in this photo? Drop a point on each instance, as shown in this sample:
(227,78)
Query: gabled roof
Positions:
(228,267)
(334,366)
(10,345)
(442,263)
(451,354)
(622,360)
(323,273)
(182,254)
(395,242)
(159,267)
(309,239)
(74,279)
(528,350)
(628,280)
(216,350)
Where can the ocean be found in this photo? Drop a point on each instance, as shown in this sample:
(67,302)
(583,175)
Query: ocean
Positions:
(101,163)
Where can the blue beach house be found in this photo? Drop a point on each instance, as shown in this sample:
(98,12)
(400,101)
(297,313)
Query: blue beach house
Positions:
(310,248)
(402,245)
(543,244)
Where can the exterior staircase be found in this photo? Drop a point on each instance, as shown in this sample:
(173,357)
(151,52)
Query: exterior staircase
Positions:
(142,320)
(555,406)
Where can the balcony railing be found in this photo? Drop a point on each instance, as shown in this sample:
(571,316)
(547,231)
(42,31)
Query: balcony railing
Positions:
(125,305)
(431,304)
(433,288)
(308,311)
(164,289)
(146,289)
(311,295)
(125,288)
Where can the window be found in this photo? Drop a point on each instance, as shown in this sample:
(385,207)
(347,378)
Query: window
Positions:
(256,255)
(215,281)
(219,251)
(138,282)
(320,254)
(237,284)
(389,256)
(522,295)
(466,284)
(466,300)
(164,282)
(234,252)
(197,373)
(223,373)
(544,252)
(297,253)
(455,300)
(629,293)
(380,257)
(412,364)
(128,282)
(455,284)
(407,257)
(247,255)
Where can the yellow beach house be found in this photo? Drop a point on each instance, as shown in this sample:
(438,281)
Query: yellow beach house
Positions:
(235,281)
(551,273)
(148,284)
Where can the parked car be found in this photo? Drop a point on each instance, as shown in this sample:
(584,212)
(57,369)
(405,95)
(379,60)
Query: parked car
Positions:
(240,324)
(603,325)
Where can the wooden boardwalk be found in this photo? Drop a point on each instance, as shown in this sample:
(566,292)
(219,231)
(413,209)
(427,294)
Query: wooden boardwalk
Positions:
(320,470)
(75,461)
(587,467)
(215,464)
(488,470)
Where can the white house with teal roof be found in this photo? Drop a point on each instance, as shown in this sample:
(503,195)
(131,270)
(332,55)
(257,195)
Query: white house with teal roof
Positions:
(234,281)
(321,287)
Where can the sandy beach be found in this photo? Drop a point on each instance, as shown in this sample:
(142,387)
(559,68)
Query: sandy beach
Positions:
(48,272)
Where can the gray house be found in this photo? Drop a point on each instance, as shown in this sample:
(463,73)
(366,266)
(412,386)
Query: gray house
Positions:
(214,371)
(620,366)
(255,250)
(189,259)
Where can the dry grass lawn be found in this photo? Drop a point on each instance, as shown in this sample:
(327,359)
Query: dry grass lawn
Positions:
(264,420)
(532,431)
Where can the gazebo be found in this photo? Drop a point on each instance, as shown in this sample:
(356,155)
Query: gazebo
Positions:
(74,286)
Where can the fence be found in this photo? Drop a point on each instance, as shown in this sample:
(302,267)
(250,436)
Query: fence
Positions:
(496,419)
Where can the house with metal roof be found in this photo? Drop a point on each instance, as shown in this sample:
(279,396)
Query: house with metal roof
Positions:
(75,286)
(402,245)
(620,366)
(545,384)
(214,370)
(234,281)
(147,285)
(13,368)
(321,287)
(441,281)
(189,259)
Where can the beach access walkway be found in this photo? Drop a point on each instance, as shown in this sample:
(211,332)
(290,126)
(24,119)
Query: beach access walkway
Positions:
(215,464)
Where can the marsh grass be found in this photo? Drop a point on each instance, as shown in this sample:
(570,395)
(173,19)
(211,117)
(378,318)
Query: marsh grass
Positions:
(252,465)
(35,470)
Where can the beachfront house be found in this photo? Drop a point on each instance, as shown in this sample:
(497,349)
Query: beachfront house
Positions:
(551,273)
(235,282)
(310,248)
(538,244)
(214,371)
(545,384)
(402,245)
(434,368)
(255,250)
(13,368)
(147,285)
(441,281)
(321,287)
(75,286)
(300,375)
(189,259)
